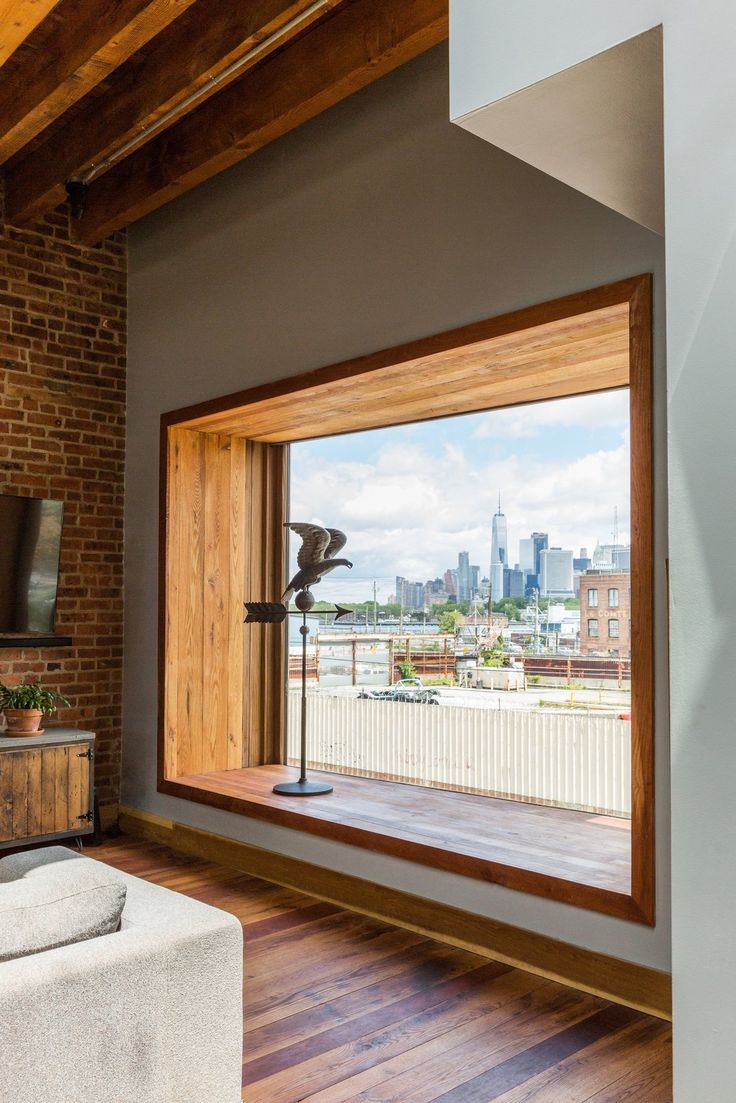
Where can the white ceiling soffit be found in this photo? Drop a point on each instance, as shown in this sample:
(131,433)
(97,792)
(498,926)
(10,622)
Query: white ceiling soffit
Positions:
(597,126)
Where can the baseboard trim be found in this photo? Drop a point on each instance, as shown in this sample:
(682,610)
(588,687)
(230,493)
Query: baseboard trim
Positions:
(620,981)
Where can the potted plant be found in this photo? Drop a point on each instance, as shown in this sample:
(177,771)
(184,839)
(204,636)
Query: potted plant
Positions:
(25,704)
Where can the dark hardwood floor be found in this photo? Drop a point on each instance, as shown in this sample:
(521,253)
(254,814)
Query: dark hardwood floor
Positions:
(339,1007)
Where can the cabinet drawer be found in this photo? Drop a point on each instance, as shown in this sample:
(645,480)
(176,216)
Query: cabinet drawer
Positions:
(44,790)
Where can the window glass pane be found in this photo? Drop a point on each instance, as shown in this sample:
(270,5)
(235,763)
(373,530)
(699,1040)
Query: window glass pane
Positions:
(478,544)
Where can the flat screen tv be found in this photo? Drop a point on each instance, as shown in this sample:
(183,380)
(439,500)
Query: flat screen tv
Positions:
(30,545)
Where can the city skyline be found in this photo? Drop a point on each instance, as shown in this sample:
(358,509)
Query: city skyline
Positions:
(411,498)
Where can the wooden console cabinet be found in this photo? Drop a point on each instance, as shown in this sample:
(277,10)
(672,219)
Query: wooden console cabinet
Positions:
(46,786)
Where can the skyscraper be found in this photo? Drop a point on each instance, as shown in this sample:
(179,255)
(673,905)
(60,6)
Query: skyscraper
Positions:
(540,541)
(499,551)
(526,555)
(463,576)
(555,576)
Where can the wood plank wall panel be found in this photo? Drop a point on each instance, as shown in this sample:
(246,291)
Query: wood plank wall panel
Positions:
(209,516)
(59,761)
(189,555)
(34,766)
(264,581)
(79,802)
(481,369)
(216,599)
(48,794)
(20,802)
(235,629)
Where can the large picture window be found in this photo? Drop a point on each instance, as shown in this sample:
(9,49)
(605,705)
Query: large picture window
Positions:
(497,609)
(472,541)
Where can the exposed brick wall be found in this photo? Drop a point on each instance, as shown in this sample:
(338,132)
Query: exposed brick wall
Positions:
(62,435)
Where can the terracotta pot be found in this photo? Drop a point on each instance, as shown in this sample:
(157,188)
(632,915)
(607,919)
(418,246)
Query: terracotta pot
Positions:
(23,721)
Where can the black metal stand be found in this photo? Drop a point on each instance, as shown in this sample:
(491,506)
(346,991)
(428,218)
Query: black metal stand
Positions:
(303,787)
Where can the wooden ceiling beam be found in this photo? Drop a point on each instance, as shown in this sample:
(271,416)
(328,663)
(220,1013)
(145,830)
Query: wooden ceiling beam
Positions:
(90,39)
(349,50)
(17,19)
(160,77)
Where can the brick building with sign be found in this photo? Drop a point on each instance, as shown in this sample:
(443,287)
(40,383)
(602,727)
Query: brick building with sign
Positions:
(605,613)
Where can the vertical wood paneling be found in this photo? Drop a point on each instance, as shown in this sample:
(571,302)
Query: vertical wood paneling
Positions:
(264,580)
(275,680)
(61,788)
(172,581)
(236,631)
(48,791)
(34,763)
(6,797)
(20,795)
(215,603)
(78,786)
(43,790)
(213,492)
(189,518)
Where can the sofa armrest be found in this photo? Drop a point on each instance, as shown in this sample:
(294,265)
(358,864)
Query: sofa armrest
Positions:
(153,1012)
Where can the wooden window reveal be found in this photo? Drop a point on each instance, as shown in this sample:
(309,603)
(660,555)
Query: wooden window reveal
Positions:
(224,500)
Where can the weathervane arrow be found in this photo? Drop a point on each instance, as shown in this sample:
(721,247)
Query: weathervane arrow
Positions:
(274,612)
(265,612)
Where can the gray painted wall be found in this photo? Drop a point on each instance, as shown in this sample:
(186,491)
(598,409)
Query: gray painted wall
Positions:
(377,223)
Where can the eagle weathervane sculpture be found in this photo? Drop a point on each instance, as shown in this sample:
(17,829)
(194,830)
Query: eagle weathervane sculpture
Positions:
(315,559)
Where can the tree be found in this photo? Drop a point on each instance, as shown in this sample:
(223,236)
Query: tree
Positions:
(495,654)
(449,621)
(509,607)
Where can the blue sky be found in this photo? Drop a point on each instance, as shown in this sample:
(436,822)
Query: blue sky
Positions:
(410,498)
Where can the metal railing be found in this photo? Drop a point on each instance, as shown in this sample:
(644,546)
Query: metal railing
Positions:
(564,759)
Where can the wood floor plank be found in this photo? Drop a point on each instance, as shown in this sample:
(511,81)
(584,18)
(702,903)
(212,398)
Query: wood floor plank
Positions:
(435,965)
(477,1017)
(341,1008)
(449,992)
(544,1055)
(572,1080)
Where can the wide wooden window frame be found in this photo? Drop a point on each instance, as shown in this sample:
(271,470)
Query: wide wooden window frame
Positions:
(224,466)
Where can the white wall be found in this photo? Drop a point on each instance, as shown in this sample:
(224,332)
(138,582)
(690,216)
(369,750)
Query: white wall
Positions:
(700,173)
(377,223)
(498,48)
(700,213)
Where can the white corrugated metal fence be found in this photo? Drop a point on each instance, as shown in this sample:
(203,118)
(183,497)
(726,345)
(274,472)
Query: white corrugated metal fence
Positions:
(572,760)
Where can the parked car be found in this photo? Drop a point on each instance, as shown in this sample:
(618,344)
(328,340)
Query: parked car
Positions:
(411,690)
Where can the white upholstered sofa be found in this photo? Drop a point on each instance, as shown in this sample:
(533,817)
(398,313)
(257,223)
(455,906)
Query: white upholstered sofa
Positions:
(149,1014)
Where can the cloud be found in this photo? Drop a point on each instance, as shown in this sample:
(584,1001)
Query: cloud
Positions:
(410,508)
(606,410)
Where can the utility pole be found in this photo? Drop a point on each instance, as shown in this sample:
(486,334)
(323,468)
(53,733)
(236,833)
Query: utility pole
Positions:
(375,608)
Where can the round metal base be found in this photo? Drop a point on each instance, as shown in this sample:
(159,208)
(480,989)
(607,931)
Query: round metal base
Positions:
(302,788)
